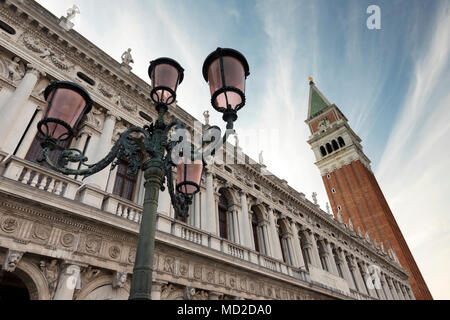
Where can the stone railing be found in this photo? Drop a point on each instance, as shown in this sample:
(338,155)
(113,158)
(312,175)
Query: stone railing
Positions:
(122,208)
(236,251)
(39,177)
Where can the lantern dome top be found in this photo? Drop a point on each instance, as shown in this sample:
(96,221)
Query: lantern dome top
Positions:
(225,52)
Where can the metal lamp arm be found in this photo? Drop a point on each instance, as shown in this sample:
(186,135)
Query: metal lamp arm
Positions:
(124,147)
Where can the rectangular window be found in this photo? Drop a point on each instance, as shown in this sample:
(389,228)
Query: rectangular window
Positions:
(124,186)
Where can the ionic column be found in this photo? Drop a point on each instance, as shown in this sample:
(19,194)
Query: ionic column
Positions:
(274,239)
(67,283)
(359,278)
(331,260)
(245,227)
(14,112)
(397,286)
(102,148)
(297,252)
(197,211)
(30,134)
(392,289)
(345,269)
(237,232)
(387,291)
(365,276)
(209,215)
(315,251)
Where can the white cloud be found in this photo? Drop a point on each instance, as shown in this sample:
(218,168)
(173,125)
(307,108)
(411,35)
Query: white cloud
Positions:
(414,171)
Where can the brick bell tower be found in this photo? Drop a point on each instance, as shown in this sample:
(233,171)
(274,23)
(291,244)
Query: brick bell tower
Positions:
(352,188)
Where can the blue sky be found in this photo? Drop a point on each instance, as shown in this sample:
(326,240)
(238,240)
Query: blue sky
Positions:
(392,84)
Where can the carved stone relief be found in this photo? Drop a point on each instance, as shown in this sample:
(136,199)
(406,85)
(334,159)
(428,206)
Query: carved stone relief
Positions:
(12,260)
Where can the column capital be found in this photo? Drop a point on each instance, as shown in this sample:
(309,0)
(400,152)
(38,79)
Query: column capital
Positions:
(112,116)
(32,69)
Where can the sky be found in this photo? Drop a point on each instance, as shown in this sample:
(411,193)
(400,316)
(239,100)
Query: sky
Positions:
(391,83)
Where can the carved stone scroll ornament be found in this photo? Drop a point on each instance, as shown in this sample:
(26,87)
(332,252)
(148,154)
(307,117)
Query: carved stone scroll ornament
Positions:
(32,43)
(61,62)
(12,260)
(107,91)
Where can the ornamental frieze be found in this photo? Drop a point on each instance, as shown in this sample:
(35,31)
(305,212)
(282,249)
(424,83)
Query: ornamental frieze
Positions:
(9,225)
(41,232)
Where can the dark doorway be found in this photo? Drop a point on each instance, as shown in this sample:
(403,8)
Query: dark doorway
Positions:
(12,288)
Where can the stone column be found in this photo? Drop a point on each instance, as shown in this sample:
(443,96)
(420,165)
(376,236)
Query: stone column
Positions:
(111,180)
(392,288)
(274,239)
(14,112)
(346,270)
(103,147)
(237,232)
(245,227)
(297,246)
(209,215)
(197,211)
(359,278)
(68,280)
(387,291)
(164,202)
(156,289)
(332,262)
(315,251)
(30,134)
(398,287)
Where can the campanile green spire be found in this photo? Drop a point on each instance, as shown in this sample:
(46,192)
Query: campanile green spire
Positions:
(317,101)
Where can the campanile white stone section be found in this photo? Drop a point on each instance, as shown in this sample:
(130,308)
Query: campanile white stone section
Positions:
(16,112)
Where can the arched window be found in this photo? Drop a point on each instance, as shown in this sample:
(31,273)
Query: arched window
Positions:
(335,145)
(223,217)
(329,148)
(323,151)
(341,142)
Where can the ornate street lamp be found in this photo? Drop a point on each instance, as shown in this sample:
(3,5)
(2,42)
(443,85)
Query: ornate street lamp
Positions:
(225,70)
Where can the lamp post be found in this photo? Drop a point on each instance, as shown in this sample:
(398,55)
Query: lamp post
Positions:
(226,71)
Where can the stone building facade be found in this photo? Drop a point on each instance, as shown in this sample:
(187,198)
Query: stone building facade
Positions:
(249,234)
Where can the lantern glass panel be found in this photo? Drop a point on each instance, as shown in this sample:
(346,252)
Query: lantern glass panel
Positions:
(66,105)
(234,76)
(189,173)
(165,75)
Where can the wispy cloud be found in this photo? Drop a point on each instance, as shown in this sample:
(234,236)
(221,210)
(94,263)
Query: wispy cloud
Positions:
(414,168)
